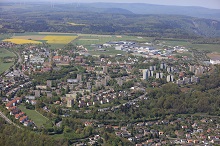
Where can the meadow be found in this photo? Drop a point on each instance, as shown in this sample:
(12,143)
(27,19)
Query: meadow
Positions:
(38,119)
(5,53)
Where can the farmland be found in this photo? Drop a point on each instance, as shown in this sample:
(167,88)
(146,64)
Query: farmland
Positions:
(5,65)
(53,39)
(59,40)
(22,41)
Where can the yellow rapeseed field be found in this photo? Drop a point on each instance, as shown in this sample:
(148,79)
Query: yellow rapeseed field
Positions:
(21,41)
(52,39)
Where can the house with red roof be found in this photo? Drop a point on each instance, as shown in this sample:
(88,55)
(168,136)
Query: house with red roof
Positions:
(88,124)
(13,102)
(57,58)
(14,110)
(23,119)
(21,114)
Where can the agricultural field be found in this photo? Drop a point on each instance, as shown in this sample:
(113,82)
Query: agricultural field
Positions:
(59,40)
(53,39)
(38,119)
(5,54)
(21,41)
(30,37)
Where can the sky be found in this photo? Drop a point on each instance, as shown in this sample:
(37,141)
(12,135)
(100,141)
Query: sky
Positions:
(213,4)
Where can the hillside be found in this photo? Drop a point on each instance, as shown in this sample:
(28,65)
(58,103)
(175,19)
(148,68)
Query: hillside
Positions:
(43,17)
(141,8)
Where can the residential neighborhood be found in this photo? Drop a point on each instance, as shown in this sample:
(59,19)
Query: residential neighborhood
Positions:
(67,83)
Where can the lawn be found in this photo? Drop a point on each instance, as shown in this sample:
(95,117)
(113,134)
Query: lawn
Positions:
(38,119)
(5,53)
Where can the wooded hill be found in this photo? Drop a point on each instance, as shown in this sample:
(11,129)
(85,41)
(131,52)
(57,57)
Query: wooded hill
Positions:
(43,17)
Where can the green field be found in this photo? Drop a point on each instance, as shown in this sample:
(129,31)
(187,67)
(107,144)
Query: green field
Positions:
(87,39)
(209,47)
(38,119)
(5,53)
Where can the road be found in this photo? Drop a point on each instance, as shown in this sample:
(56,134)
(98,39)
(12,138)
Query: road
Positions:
(8,120)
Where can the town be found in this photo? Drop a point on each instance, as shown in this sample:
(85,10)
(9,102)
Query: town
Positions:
(64,83)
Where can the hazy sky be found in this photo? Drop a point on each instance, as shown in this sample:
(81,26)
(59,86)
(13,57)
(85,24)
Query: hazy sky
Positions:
(215,4)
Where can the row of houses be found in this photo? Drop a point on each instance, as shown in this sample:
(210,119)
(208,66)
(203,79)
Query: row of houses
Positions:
(17,113)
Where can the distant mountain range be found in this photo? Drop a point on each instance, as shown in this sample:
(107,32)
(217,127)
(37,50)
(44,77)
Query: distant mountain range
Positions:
(142,8)
(111,18)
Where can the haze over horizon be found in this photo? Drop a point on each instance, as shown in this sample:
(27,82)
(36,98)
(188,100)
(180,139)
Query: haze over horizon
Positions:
(212,4)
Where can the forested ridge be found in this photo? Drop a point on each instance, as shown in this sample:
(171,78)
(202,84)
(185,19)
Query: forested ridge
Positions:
(43,18)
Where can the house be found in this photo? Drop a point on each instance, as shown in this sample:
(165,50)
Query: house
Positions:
(196,141)
(88,124)
(78,59)
(9,104)
(123,128)
(214,61)
(37,59)
(13,102)
(33,102)
(125,134)
(115,127)
(23,119)
(28,123)
(118,134)
(139,136)
(57,58)
(14,110)
(17,116)
(215,141)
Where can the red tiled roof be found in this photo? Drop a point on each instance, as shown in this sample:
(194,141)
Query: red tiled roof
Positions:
(57,57)
(22,118)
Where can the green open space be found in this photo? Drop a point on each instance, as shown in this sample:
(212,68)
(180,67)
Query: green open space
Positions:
(108,51)
(189,45)
(3,65)
(87,39)
(38,119)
